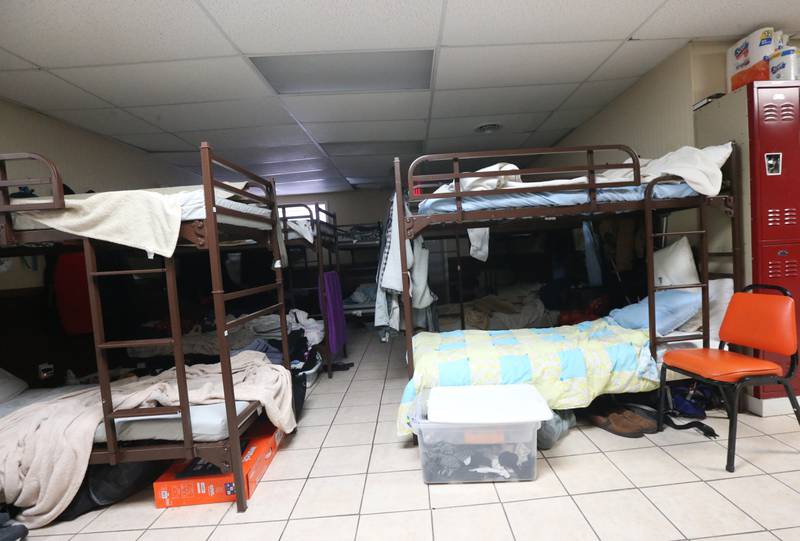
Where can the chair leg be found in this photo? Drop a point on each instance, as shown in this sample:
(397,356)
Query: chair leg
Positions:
(732,399)
(792,398)
(662,398)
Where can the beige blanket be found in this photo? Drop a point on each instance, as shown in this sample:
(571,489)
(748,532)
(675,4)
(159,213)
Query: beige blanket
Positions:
(45,447)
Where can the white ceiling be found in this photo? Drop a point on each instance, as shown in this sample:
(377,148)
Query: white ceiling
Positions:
(164,76)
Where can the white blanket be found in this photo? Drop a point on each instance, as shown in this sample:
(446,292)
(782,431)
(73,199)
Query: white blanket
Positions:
(45,447)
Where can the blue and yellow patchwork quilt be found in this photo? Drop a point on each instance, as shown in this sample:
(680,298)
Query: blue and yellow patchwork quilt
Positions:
(570,365)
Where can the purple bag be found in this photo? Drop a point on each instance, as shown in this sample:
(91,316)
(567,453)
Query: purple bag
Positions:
(335,330)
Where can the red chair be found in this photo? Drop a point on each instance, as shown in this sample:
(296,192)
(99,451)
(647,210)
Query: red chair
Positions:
(759,321)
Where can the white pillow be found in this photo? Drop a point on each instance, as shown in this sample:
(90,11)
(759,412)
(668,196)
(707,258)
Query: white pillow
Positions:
(719,296)
(624,173)
(674,265)
(718,154)
(10,386)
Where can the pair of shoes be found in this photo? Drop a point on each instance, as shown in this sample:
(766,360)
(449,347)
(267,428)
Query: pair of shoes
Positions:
(624,422)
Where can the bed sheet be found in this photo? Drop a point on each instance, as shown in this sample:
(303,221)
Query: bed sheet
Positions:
(555,199)
(569,365)
(208,421)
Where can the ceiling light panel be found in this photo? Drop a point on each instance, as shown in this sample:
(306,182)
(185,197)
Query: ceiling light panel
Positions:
(347,72)
(464,126)
(489,101)
(163,83)
(473,22)
(265,136)
(718,19)
(40,90)
(637,57)
(105,121)
(386,181)
(80,33)
(388,130)
(356,107)
(519,65)
(268,27)
(366,148)
(215,115)
(322,186)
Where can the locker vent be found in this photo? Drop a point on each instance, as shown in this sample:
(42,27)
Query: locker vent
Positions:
(779,217)
(772,112)
(779,268)
(788,112)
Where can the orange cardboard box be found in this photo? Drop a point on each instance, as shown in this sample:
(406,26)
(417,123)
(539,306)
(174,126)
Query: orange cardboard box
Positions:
(171,491)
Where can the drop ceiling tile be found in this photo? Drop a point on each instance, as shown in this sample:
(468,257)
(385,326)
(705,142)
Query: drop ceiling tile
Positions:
(637,57)
(101,32)
(40,90)
(387,130)
(216,115)
(276,26)
(9,61)
(469,22)
(721,18)
(265,136)
(365,166)
(163,83)
(517,65)
(261,155)
(465,126)
(567,118)
(545,138)
(486,101)
(359,107)
(155,142)
(374,186)
(105,121)
(365,148)
(360,71)
(476,142)
(597,93)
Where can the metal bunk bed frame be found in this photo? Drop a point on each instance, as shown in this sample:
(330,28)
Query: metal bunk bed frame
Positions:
(325,240)
(205,235)
(531,218)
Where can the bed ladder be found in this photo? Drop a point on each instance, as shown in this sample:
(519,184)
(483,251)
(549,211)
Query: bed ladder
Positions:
(102,346)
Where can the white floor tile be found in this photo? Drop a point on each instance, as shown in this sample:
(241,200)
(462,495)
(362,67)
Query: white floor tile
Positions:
(198,533)
(574,443)
(392,396)
(130,535)
(552,519)
(387,433)
(316,417)
(367,374)
(755,536)
(792,439)
(192,515)
(408,526)
(329,496)
(697,510)
(388,412)
(356,414)
(792,479)
(341,461)
(792,534)
(707,461)
(306,437)
(135,513)
(291,464)
(607,441)
(320,400)
(767,500)
(272,500)
(546,485)
(639,520)
(394,491)
(321,529)
(650,466)
(362,398)
(771,425)
(394,457)
(588,473)
(457,495)
(66,527)
(350,434)
(479,523)
(768,454)
(396,383)
(670,436)
(256,531)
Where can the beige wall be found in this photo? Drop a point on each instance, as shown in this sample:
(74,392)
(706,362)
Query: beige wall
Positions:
(86,160)
(353,207)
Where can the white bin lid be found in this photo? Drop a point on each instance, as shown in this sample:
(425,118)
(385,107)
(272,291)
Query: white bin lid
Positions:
(487,404)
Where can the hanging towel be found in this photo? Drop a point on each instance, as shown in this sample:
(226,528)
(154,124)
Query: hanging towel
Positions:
(334,312)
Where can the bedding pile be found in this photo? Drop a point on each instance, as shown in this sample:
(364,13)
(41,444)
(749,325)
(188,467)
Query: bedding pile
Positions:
(45,447)
(569,365)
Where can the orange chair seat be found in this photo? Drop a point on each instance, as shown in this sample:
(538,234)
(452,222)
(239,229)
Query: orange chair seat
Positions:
(720,365)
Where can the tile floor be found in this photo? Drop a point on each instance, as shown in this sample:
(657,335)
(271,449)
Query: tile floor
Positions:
(346,475)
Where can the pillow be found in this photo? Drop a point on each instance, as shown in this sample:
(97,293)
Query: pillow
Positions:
(10,386)
(718,154)
(674,265)
(719,296)
(624,173)
(673,309)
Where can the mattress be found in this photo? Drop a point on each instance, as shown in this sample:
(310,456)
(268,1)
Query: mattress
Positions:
(673,190)
(208,420)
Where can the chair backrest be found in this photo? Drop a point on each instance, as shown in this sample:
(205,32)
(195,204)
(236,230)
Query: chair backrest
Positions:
(761,321)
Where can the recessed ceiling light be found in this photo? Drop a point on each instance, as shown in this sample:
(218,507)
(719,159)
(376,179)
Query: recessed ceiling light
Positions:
(491,127)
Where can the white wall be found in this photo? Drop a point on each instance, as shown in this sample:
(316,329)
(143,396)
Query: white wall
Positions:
(353,207)
(86,160)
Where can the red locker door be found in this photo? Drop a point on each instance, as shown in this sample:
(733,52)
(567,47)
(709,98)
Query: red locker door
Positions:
(778,265)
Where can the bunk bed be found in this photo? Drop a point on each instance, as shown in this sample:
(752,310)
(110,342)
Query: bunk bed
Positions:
(362,243)
(311,229)
(576,363)
(210,222)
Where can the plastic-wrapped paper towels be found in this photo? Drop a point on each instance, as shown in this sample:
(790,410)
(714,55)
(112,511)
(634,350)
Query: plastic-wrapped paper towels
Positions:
(749,58)
(784,65)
